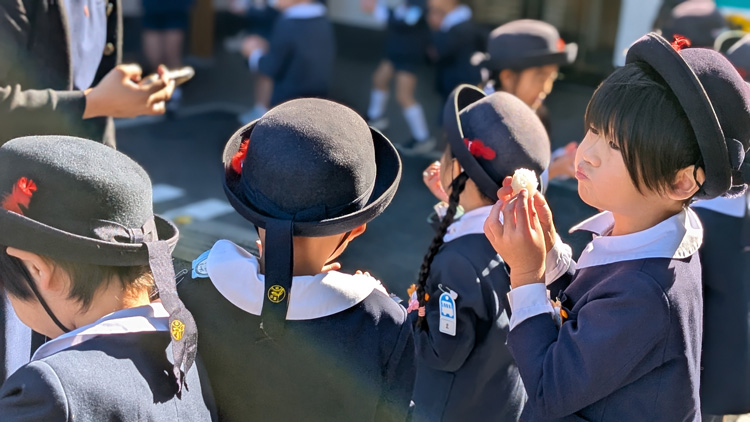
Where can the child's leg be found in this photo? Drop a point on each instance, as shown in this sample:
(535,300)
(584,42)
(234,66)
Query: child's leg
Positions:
(406,84)
(263,92)
(381,80)
(173,42)
(153,46)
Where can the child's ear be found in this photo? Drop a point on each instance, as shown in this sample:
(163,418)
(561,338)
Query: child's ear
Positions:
(357,232)
(40,270)
(686,183)
(507,80)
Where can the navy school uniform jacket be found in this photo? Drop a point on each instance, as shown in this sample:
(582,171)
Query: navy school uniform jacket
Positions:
(469,376)
(725,257)
(301,55)
(408,35)
(455,43)
(107,373)
(630,347)
(347,353)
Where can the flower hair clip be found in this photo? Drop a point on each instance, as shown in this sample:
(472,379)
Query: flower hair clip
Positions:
(680,42)
(20,196)
(239,156)
(478,149)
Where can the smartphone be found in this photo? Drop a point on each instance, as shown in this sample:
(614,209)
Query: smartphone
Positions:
(179,76)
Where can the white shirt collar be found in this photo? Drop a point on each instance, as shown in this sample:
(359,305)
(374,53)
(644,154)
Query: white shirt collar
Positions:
(149,318)
(677,237)
(305,11)
(459,15)
(733,207)
(235,274)
(471,222)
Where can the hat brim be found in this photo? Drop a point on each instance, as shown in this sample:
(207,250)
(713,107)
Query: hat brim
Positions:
(387,178)
(565,57)
(30,235)
(659,54)
(461,97)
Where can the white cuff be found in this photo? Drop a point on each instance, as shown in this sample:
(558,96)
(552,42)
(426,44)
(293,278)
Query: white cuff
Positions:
(559,260)
(528,301)
(254,59)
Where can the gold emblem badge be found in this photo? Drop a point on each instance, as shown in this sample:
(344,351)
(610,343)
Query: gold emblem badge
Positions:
(276,293)
(178,329)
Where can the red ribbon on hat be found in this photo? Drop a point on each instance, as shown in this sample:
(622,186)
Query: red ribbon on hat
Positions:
(680,42)
(560,44)
(239,156)
(478,149)
(21,195)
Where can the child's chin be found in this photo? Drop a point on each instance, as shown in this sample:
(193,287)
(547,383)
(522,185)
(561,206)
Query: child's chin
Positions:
(587,198)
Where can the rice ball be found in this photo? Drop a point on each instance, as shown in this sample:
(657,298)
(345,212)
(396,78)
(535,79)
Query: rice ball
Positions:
(524,179)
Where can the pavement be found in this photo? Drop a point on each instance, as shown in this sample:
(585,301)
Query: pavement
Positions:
(182,154)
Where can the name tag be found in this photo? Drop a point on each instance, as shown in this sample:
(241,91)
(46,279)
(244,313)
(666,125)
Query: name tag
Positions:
(447,314)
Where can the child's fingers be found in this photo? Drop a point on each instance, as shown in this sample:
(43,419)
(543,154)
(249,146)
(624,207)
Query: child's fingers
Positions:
(509,219)
(522,211)
(492,226)
(333,266)
(507,181)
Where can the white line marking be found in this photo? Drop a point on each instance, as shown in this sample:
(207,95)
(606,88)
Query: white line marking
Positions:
(201,210)
(164,193)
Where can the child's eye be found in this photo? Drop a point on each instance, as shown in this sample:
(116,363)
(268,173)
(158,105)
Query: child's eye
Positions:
(614,146)
(594,131)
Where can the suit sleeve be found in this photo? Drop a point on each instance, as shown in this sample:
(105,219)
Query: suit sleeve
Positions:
(34,393)
(442,351)
(279,53)
(613,340)
(29,110)
(398,383)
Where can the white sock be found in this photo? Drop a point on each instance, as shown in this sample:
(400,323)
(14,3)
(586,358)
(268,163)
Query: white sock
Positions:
(414,116)
(378,102)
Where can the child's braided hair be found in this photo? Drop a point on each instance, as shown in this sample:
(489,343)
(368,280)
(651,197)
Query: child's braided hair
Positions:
(457,186)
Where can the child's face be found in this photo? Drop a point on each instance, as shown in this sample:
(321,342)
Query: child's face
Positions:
(282,5)
(437,10)
(532,85)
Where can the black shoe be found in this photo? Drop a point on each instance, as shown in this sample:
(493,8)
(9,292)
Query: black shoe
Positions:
(414,147)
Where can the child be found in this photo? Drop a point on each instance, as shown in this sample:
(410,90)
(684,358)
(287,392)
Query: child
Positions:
(669,126)
(454,39)
(465,372)
(725,385)
(82,257)
(298,58)
(303,343)
(699,21)
(407,39)
(523,58)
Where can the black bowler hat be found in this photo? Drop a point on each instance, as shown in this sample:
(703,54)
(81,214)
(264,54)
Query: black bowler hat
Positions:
(492,136)
(716,101)
(739,56)
(311,168)
(525,43)
(76,200)
(697,20)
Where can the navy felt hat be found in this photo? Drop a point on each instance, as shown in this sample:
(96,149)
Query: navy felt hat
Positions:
(525,43)
(739,56)
(716,101)
(308,167)
(80,201)
(493,135)
(697,20)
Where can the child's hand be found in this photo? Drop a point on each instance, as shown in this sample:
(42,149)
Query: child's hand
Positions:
(431,178)
(541,208)
(564,165)
(368,6)
(252,43)
(333,266)
(519,239)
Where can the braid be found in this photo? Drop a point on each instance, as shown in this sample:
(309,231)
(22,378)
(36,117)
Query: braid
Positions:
(457,186)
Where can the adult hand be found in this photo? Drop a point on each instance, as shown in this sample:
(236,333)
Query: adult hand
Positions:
(519,239)
(431,178)
(119,94)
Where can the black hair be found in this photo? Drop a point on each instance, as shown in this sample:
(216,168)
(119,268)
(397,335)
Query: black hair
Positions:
(86,279)
(457,186)
(636,109)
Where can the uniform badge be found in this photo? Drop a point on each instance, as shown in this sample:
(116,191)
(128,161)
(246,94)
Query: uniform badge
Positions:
(199,265)
(448,312)
(276,293)
(177,328)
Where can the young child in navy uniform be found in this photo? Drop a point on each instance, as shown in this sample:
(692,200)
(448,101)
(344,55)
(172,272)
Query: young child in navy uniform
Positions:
(725,258)
(699,21)
(282,338)
(455,39)
(523,58)
(82,258)
(407,40)
(299,56)
(464,370)
(622,341)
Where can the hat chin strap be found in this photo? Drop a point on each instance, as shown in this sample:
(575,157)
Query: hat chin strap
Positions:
(278,255)
(43,302)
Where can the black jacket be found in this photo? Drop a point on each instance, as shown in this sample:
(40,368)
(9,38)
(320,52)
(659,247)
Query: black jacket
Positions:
(37,96)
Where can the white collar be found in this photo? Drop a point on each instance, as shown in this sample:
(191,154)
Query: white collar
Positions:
(305,11)
(677,237)
(235,274)
(470,223)
(149,318)
(733,207)
(459,15)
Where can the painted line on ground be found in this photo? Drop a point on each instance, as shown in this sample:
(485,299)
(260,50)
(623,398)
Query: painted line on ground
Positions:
(201,210)
(164,193)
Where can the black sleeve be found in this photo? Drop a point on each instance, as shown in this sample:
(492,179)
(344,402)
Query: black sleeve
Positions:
(34,393)
(399,376)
